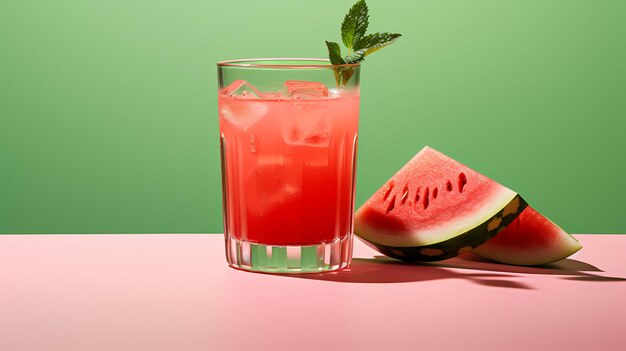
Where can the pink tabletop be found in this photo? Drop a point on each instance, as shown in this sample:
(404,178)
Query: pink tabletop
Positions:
(175,292)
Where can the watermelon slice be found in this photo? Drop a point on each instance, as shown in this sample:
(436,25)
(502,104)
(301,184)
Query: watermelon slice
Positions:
(435,208)
(530,240)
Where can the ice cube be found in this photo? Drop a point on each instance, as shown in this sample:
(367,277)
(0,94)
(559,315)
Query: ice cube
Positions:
(308,129)
(273,183)
(297,136)
(303,90)
(242,113)
(243,90)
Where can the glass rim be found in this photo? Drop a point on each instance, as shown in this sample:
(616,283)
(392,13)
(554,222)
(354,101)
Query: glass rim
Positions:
(250,63)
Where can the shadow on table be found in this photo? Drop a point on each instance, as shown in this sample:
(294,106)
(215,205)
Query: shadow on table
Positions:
(381,269)
(569,268)
(385,270)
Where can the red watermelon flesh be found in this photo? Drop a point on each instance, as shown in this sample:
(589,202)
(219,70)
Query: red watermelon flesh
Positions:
(531,239)
(434,208)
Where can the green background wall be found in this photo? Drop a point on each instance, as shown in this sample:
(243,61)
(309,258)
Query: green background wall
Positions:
(108,117)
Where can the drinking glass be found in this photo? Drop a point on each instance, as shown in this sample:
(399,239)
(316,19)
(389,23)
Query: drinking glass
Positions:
(288,140)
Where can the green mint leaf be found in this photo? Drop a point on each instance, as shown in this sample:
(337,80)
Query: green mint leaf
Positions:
(356,56)
(374,42)
(369,44)
(334,53)
(355,23)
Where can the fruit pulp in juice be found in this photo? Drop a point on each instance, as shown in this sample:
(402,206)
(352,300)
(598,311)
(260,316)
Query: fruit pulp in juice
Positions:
(288,167)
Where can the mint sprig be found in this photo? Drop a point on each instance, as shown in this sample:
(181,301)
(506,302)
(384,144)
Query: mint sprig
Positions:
(355,23)
(353,29)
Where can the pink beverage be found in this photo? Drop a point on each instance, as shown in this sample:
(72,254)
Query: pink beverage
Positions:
(289,164)
(288,132)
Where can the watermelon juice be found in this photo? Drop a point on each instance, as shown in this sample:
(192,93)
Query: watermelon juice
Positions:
(288,163)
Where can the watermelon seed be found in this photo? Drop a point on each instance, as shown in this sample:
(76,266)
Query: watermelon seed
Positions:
(405,194)
(392,204)
(435,192)
(449,185)
(388,191)
(417,195)
(426,198)
(462,181)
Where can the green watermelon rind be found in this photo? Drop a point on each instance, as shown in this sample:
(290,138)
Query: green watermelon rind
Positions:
(452,247)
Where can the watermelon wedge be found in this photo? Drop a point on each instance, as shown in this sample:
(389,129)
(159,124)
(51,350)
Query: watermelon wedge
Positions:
(435,208)
(530,240)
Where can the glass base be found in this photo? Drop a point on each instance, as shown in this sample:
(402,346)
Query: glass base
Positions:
(256,257)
